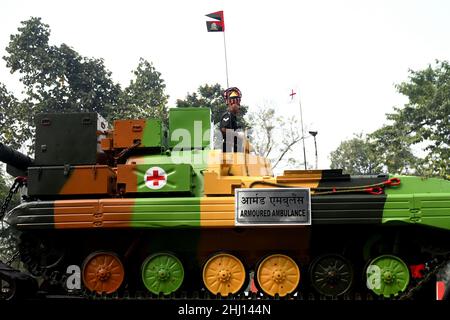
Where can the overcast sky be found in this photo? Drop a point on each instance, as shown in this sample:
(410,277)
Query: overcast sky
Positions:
(343,57)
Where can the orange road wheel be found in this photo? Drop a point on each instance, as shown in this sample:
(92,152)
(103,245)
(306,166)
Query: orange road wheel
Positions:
(223,274)
(278,274)
(103,272)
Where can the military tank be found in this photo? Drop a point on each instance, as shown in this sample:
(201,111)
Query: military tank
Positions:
(141,209)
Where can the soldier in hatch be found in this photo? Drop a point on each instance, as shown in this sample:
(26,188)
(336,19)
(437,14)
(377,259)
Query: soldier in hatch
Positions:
(232,138)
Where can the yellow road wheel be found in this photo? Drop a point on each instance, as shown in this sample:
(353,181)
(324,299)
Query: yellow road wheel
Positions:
(278,274)
(223,274)
(103,272)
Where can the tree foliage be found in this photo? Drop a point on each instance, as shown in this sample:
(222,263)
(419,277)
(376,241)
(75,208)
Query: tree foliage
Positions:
(423,121)
(5,185)
(425,118)
(145,96)
(393,150)
(58,79)
(11,130)
(273,136)
(357,156)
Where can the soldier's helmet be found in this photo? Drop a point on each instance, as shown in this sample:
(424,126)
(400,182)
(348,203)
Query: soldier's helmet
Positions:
(232,93)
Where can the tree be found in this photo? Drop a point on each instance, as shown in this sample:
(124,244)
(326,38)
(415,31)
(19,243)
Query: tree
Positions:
(393,149)
(11,129)
(273,136)
(145,96)
(211,96)
(423,121)
(5,185)
(58,79)
(357,156)
(9,132)
(426,117)
(380,151)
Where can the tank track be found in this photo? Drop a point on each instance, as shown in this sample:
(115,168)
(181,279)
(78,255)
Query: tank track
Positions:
(203,295)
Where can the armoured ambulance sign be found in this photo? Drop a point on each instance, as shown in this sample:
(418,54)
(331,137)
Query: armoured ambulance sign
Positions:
(273,206)
(155,178)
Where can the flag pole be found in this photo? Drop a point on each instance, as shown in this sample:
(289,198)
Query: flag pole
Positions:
(303,134)
(219,26)
(226,62)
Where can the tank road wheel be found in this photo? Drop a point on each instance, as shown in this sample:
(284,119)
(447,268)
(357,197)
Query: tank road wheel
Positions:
(103,272)
(278,274)
(162,273)
(40,253)
(331,275)
(387,275)
(7,289)
(224,274)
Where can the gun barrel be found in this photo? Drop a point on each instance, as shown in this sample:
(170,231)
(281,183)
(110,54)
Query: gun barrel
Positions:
(14,158)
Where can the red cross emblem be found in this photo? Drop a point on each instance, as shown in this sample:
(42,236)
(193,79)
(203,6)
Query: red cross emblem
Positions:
(292,94)
(155,178)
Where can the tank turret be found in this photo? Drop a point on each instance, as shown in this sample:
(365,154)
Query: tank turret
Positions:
(17,162)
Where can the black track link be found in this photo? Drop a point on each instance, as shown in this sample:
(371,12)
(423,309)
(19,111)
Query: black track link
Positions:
(203,295)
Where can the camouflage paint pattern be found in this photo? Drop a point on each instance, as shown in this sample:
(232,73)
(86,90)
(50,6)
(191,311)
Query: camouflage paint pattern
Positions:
(415,200)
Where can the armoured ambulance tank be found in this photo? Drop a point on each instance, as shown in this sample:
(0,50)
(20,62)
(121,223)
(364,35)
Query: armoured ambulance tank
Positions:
(139,208)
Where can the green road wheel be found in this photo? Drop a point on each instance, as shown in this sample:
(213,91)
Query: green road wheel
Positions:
(162,273)
(387,276)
